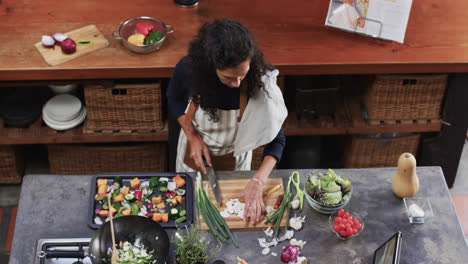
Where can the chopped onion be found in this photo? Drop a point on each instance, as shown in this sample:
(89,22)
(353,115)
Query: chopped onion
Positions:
(48,41)
(59,37)
(68,46)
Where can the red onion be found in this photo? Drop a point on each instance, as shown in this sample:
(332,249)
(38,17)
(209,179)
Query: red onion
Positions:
(59,37)
(149,206)
(97,210)
(48,41)
(68,46)
(149,214)
(290,253)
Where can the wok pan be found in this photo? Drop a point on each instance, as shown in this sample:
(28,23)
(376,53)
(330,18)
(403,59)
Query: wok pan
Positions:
(135,229)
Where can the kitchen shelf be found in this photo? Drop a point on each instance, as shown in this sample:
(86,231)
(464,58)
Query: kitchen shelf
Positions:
(39,133)
(353,123)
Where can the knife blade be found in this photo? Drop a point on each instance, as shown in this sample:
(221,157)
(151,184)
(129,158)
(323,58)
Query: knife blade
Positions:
(211,175)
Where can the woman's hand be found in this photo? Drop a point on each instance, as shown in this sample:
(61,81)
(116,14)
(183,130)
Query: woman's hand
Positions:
(198,149)
(254,206)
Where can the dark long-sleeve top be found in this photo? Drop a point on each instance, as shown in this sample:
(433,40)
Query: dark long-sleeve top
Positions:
(227,99)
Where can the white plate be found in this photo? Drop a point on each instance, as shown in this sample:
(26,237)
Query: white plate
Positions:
(62,108)
(65,125)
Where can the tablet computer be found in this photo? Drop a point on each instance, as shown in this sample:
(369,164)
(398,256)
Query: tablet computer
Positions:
(389,252)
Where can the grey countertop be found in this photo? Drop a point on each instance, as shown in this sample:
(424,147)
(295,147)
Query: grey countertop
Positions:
(55,206)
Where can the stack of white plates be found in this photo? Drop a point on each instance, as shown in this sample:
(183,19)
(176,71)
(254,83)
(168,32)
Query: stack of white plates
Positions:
(63,112)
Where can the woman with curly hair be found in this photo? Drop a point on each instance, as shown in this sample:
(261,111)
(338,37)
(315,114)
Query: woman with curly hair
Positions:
(225,98)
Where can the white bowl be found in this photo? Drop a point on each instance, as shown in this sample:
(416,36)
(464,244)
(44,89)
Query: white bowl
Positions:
(59,89)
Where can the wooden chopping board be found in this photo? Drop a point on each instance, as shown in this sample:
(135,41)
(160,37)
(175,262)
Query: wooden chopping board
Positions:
(55,56)
(231,187)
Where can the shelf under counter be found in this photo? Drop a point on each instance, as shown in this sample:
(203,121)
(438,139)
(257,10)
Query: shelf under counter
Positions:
(351,121)
(39,133)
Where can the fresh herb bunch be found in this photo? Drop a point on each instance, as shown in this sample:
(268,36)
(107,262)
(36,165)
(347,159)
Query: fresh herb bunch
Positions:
(192,247)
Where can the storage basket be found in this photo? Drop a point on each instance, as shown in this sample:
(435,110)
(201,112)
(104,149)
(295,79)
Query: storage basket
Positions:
(107,158)
(123,107)
(405,97)
(11,164)
(366,152)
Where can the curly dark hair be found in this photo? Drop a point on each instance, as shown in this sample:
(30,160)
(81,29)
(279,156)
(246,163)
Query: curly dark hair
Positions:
(220,45)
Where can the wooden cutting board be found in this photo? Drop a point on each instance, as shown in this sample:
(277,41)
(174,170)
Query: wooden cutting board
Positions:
(231,187)
(55,56)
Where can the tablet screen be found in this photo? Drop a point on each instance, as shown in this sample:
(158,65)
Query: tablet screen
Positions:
(388,253)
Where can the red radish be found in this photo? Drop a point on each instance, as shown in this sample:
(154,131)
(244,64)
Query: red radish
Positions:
(68,46)
(48,41)
(59,37)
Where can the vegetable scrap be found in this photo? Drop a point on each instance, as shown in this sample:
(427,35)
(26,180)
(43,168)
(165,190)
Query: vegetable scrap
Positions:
(296,222)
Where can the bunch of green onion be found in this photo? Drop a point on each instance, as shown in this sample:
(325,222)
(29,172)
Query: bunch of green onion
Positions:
(211,216)
(276,217)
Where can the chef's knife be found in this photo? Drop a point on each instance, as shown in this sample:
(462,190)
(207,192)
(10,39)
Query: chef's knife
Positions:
(211,175)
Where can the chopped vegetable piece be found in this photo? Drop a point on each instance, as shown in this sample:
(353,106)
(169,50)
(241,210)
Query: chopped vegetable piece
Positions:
(156,200)
(102,190)
(119,198)
(104,213)
(127,211)
(181,219)
(171,186)
(138,194)
(154,182)
(129,197)
(182,212)
(136,39)
(179,199)
(165,217)
(180,191)
(135,183)
(163,189)
(153,37)
(179,181)
(135,209)
(125,191)
(157,217)
(48,41)
(117,181)
(115,193)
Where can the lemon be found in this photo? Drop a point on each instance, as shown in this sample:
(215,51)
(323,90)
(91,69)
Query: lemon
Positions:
(136,39)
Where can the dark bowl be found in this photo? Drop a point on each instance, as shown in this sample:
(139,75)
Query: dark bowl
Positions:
(134,229)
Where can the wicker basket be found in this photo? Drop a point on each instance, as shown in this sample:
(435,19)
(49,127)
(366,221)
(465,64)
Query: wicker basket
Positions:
(378,152)
(406,97)
(11,164)
(123,107)
(107,158)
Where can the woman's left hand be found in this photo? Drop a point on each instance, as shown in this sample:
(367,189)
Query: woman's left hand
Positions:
(254,206)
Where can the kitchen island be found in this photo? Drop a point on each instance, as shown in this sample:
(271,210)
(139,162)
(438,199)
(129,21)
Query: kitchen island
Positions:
(55,206)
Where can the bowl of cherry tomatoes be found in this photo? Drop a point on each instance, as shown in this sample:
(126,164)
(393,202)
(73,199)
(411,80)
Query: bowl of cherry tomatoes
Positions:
(346,224)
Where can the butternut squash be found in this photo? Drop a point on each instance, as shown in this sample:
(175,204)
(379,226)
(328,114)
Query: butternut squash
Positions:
(405,183)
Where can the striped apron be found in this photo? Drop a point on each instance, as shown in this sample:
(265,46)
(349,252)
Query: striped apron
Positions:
(218,136)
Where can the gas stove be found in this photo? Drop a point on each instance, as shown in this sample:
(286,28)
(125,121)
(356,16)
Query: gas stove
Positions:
(63,251)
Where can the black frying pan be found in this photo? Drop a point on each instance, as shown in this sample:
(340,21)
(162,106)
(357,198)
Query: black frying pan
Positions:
(134,229)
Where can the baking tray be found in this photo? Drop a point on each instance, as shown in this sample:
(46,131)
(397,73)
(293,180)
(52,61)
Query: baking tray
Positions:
(127,177)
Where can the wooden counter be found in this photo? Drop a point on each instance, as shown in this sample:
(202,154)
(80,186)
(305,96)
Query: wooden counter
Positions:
(291,33)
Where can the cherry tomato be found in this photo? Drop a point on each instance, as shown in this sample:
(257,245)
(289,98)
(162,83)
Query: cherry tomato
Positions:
(347,226)
(345,215)
(337,220)
(341,226)
(358,226)
(355,231)
(355,221)
(336,228)
(340,212)
(343,233)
